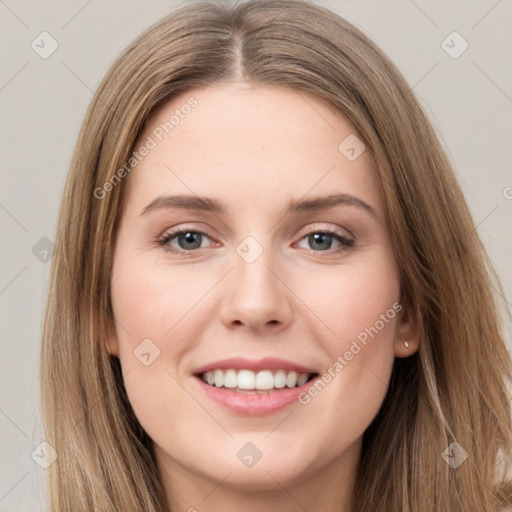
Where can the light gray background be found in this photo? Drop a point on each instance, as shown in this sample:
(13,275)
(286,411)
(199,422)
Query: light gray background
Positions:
(43,101)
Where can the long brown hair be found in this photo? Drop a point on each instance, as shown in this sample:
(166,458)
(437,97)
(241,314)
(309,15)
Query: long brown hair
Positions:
(454,389)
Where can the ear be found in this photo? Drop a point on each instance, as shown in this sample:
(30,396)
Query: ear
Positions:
(407,329)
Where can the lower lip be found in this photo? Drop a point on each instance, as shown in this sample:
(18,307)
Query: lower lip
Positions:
(254,404)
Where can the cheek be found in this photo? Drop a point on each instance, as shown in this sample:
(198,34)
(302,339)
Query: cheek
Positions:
(357,301)
(151,307)
(151,301)
(359,310)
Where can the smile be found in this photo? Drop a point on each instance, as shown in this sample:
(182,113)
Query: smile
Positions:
(248,381)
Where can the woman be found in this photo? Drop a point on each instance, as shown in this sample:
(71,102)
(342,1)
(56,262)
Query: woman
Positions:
(267,291)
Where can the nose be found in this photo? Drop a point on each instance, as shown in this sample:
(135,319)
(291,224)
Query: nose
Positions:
(257,297)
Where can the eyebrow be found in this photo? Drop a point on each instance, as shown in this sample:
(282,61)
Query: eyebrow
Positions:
(193,202)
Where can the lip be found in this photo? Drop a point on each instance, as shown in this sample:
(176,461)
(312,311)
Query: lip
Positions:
(242,363)
(254,404)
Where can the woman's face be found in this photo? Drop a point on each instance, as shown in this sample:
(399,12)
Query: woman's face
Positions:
(284,253)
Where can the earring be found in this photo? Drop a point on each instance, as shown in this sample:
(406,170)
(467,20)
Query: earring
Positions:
(406,344)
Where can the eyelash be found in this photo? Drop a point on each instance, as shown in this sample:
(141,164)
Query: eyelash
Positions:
(346,243)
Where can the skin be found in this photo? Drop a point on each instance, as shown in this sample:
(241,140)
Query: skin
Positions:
(255,148)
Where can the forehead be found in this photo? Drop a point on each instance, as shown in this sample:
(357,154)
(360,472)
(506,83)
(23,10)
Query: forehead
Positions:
(250,142)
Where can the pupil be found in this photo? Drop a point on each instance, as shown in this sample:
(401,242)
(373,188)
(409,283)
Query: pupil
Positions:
(191,238)
(319,238)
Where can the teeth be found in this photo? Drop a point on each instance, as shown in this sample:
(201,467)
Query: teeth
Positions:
(264,380)
(230,379)
(280,379)
(218,378)
(302,379)
(244,380)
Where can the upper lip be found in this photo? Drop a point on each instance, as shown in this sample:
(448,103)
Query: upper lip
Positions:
(267,363)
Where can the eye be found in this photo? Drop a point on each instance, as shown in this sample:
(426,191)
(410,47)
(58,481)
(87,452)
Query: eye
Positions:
(187,240)
(322,240)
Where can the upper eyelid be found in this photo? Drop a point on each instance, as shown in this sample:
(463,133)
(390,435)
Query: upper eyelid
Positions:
(329,229)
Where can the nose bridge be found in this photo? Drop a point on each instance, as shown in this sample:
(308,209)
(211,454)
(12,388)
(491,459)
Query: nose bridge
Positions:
(256,297)
(254,280)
